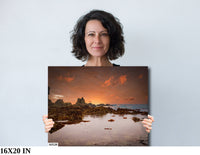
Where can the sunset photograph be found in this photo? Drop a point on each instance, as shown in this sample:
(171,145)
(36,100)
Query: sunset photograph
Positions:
(98,106)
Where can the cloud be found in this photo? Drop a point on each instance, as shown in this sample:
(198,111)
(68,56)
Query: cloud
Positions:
(131,98)
(69,79)
(108,82)
(122,79)
(57,96)
(115,81)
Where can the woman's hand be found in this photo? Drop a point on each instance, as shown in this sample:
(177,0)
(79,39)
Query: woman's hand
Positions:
(147,123)
(48,123)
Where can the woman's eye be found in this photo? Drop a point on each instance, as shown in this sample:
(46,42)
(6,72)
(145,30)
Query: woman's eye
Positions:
(90,34)
(104,34)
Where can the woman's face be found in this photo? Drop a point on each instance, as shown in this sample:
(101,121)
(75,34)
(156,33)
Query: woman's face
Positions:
(97,39)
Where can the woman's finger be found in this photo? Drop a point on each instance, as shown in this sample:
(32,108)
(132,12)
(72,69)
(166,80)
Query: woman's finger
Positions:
(147,120)
(49,123)
(147,123)
(147,130)
(147,127)
(44,117)
(151,117)
(48,126)
(48,120)
(47,130)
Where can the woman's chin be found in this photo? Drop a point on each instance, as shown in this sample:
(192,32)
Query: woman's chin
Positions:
(97,54)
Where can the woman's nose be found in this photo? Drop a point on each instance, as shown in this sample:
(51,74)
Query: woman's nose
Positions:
(97,39)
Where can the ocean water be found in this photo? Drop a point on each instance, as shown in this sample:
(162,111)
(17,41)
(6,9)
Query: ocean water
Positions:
(141,107)
(100,132)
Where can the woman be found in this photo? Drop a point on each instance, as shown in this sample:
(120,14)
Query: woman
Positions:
(98,38)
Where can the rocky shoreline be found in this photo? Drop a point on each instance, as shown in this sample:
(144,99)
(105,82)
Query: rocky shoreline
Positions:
(74,114)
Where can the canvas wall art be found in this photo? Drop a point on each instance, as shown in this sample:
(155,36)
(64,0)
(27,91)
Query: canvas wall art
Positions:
(98,106)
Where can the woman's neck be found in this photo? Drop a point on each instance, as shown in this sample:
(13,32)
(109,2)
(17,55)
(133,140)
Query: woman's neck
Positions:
(98,61)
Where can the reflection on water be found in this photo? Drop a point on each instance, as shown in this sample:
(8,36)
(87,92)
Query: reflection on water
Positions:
(97,130)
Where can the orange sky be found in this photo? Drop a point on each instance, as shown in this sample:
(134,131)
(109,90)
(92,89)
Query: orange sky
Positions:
(107,85)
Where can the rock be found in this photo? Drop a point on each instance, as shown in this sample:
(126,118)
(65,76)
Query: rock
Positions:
(68,104)
(73,122)
(56,127)
(59,102)
(111,120)
(100,105)
(135,119)
(80,101)
(85,121)
(91,105)
(50,103)
(107,128)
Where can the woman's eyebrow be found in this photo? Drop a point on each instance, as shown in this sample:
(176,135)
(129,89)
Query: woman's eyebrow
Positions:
(104,31)
(95,32)
(91,32)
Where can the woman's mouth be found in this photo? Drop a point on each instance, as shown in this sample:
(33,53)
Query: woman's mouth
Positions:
(97,47)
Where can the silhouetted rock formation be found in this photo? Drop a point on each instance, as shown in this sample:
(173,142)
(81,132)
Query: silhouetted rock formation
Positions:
(101,105)
(59,102)
(91,105)
(68,104)
(80,101)
(50,103)
(56,127)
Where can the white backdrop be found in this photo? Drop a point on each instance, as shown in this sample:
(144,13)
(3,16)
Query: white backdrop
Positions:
(164,35)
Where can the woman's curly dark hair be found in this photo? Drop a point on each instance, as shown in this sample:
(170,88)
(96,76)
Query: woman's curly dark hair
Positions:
(109,22)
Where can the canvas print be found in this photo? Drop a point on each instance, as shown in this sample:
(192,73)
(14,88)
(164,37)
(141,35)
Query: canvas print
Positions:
(98,106)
